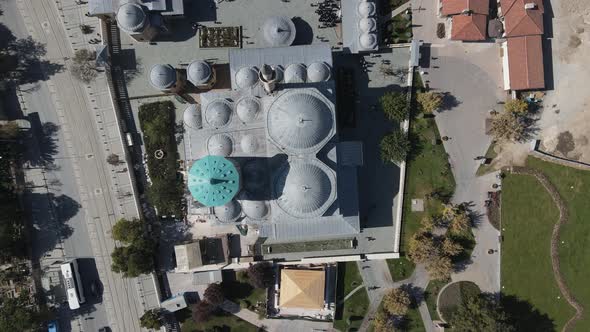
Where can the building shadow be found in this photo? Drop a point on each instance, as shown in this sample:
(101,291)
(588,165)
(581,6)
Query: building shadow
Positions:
(304,32)
(200,11)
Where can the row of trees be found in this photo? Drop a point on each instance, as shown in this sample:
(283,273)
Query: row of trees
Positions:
(438,251)
(396,145)
(136,256)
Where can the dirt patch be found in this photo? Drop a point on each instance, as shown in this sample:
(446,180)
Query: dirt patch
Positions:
(565,143)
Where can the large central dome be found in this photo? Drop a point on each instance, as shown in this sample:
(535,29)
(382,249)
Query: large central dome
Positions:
(305,188)
(300,121)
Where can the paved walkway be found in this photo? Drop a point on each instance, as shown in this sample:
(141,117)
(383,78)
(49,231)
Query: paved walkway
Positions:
(351,293)
(271,325)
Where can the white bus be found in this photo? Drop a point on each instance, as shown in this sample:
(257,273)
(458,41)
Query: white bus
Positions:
(73,284)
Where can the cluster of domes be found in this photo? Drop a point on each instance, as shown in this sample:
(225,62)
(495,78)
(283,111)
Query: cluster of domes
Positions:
(367,25)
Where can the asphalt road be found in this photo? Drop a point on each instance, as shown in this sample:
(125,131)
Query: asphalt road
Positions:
(74,206)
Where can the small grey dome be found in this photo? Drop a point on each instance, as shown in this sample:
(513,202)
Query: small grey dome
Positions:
(368,41)
(295,73)
(199,72)
(255,209)
(278,31)
(162,77)
(366,8)
(131,17)
(247,109)
(367,24)
(300,121)
(220,145)
(192,116)
(218,113)
(228,212)
(246,77)
(318,72)
(249,144)
(305,189)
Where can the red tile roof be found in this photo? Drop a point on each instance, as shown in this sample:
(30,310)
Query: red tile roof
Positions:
(469,28)
(455,7)
(525,63)
(519,21)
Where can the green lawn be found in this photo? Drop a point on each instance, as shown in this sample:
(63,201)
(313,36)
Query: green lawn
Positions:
(528,216)
(574,253)
(427,171)
(223,320)
(454,295)
(401,28)
(430,295)
(355,307)
(400,268)
(352,276)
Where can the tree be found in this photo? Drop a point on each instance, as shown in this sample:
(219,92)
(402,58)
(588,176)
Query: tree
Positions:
(480,313)
(83,67)
(439,267)
(17,314)
(395,147)
(450,248)
(127,231)
(151,319)
(383,322)
(113,159)
(429,101)
(214,294)
(395,106)
(86,29)
(421,247)
(460,223)
(427,223)
(261,275)
(397,302)
(516,107)
(449,211)
(9,130)
(134,260)
(508,126)
(202,311)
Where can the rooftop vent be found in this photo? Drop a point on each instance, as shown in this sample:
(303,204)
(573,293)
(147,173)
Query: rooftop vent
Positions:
(530,5)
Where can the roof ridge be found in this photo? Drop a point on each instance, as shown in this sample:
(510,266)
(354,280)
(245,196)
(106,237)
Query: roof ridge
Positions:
(472,23)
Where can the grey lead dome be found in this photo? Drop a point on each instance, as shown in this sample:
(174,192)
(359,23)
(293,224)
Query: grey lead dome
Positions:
(198,72)
(218,113)
(162,77)
(131,17)
(300,121)
(305,189)
(228,212)
(278,31)
(220,145)
(318,72)
(192,116)
(295,73)
(247,109)
(246,77)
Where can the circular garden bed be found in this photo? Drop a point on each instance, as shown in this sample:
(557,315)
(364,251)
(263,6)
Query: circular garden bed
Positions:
(453,295)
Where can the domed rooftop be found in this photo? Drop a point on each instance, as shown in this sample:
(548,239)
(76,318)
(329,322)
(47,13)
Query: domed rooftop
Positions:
(253,209)
(218,113)
(162,77)
(249,144)
(305,189)
(246,77)
(199,72)
(318,72)
(213,181)
(366,8)
(255,176)
(228,212)
(247,109)
(295,73)
(300,121)
(220,145)
(278,31)
(131,17)
(368,41)
(367,24)
(192,116)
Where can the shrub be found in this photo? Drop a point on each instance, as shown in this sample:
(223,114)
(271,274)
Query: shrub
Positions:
(517,107)
(202,311)
(440,30)
(151,319)
(429,101)
(214,294)
(508,126)
(84,67)
(261,275)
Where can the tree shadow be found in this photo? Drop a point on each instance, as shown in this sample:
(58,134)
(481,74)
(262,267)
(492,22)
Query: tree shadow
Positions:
(448,102)
(524,316)
(43,152)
